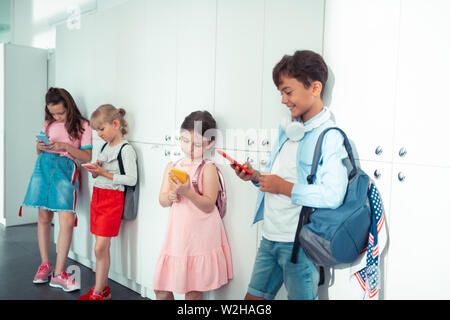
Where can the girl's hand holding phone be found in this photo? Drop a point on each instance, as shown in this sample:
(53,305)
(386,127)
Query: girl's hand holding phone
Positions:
(178,187)
(94,168)
(56,146)
(42,146)
(173,196)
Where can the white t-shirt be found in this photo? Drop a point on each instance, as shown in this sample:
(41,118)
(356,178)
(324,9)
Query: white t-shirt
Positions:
(280,215)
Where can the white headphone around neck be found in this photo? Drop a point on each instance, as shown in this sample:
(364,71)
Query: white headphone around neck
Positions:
(295,130)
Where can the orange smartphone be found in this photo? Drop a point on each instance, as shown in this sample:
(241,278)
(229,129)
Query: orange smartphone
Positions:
(223,154)
(180,174)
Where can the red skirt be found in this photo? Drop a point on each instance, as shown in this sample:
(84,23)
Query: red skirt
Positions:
(106,212)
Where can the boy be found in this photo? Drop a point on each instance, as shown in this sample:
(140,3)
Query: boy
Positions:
(301,80)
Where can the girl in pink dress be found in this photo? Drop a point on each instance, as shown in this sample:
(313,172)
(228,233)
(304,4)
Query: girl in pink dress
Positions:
(195,256)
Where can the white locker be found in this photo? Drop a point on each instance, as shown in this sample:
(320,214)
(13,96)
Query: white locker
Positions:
(239,59)
(389,76)
(24,85)
(361,48)
(422,111)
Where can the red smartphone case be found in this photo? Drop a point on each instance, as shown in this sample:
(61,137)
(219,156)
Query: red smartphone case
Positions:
(223,154)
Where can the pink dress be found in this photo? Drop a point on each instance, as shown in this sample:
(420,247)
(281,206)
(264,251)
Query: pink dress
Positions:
(195,255)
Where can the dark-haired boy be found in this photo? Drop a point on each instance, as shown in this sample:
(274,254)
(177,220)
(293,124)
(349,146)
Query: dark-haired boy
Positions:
(301,80)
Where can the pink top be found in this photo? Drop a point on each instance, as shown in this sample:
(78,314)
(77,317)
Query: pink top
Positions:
(57,133)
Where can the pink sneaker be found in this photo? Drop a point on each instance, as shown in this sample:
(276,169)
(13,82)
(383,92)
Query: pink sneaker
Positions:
(44,271)
(64,281)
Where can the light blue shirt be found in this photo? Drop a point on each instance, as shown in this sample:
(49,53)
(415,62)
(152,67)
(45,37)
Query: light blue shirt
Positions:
(330,185)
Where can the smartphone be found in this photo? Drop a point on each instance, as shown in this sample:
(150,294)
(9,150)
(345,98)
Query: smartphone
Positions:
(180,174)
(43,137)
(223,154)
(89,165)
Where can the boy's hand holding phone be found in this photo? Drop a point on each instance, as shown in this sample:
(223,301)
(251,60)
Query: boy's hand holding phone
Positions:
(268,182)
(243,174)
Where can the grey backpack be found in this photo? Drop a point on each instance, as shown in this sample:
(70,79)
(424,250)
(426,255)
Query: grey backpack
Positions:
(333,236)
(131,193)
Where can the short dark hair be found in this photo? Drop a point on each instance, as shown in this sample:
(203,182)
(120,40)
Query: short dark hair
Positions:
(206,119)
(306,66)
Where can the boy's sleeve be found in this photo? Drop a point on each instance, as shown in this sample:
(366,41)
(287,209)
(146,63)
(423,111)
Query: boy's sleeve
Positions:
(330,185)
(86,138)
(130,167)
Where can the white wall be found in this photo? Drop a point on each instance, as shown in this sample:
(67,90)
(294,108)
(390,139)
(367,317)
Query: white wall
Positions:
(2,133)
(161,60)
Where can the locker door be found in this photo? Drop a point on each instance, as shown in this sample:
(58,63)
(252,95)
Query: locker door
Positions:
(25,76)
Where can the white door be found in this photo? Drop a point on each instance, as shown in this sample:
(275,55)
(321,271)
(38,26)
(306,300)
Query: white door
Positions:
(25,75)
(360,48)
(132,72)
(421,122)
(196,52)
(241,234)
(156,121)
(86,60)
(290,25)
(417,262)
(239,57)
(146,234)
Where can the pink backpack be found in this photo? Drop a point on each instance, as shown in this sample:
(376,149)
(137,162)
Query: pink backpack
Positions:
(221,202)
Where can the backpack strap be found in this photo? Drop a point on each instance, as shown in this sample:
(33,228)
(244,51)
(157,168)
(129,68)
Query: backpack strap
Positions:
(119,159)
(194,179)
(176,162)
(318,153)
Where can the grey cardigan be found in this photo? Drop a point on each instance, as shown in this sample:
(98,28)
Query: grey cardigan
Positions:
(109,158)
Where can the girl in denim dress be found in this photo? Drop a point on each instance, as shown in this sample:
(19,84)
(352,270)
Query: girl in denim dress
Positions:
(54,183)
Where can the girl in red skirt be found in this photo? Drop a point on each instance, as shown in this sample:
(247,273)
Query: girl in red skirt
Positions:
(108,193)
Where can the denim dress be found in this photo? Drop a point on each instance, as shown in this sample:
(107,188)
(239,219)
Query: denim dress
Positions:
(54,183)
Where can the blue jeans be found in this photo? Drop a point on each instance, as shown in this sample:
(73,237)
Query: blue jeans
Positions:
(273,266)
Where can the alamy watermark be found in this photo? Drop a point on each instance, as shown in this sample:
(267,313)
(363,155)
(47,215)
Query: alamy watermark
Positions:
(75,273)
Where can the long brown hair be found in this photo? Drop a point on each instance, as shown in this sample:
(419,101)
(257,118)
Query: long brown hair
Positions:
(74,118)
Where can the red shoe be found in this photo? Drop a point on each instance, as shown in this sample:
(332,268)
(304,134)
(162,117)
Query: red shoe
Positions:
(106,294)
(96,297)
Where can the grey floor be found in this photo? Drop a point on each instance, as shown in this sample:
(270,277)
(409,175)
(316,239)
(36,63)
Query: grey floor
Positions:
(20,259)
